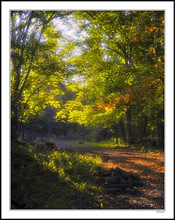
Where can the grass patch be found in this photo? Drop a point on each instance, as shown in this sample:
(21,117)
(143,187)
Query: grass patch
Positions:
(120,145)
(103,144)
(52,179)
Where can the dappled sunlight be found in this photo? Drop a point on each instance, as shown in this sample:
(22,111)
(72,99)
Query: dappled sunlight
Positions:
(151,165)
(129,161)
(60,174)
(78,170)
(148,166)
(87,102)
(135,162)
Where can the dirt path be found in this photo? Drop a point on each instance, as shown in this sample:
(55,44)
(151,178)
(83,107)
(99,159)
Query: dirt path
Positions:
(149,167)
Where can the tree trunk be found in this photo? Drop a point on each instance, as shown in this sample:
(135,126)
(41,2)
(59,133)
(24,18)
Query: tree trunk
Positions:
(22,131)
(116,132)
(14,126)
(144,130)
(129,126)
(122,130)
(153,138)
(160,130)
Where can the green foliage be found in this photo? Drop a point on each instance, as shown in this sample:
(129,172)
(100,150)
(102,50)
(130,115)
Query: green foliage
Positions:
(52,179)
(150,149)
(123,67)
(118,76)
(36,67)
(70,166)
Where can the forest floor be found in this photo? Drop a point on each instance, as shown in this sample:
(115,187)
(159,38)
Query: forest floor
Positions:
(149,167)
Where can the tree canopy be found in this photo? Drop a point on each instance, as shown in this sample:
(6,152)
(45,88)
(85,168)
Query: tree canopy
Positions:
(112,76)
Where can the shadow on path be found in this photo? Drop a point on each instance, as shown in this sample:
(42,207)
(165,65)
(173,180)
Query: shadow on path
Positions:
(148,166)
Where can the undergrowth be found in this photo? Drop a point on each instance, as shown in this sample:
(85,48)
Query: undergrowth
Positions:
(52,179)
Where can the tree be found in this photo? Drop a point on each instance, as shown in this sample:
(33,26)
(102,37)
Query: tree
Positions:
(36,68)
(115,82)
(123,65)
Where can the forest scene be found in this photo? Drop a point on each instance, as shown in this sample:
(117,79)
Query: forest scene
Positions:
(87,109)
